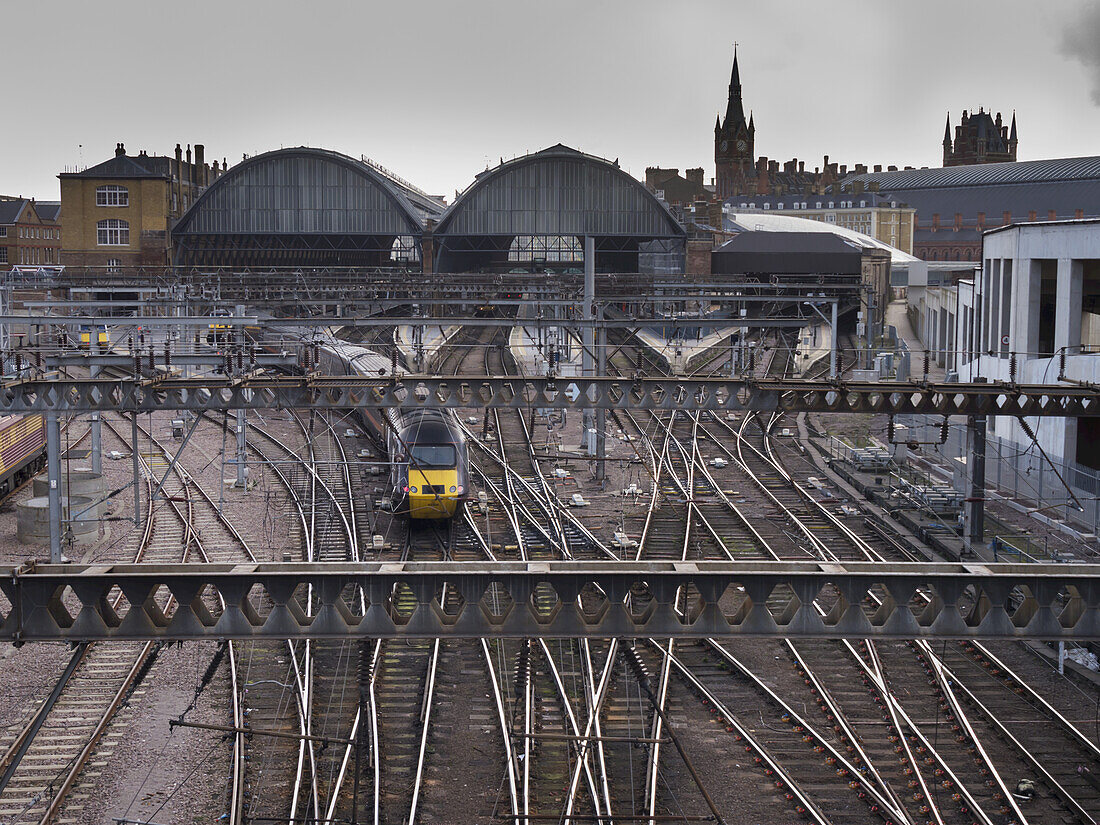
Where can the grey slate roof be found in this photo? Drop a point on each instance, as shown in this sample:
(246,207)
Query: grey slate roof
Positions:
(11,210)
(123,166)
(984,174)
(48,210)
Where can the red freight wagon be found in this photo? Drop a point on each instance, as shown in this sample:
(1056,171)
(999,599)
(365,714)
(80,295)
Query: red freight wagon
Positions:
(22,449)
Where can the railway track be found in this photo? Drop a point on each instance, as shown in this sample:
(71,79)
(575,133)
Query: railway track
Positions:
(50,758)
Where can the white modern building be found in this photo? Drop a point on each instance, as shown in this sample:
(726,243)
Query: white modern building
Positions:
(1035,307)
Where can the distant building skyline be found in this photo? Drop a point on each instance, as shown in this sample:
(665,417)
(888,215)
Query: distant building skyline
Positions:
(638,81)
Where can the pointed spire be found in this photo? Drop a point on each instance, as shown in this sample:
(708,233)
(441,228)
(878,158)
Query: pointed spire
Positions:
(717,123)
(1012,131)
(752,128)
(735,111)
(947,131)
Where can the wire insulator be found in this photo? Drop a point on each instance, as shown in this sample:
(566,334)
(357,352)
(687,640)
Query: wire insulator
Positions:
(240,359)
(1012,367)
(1061,363)
(228,361)
(634,661)
(167,355)
(943,430)
(927,362)
(890,429)
(251,357)
(1027,428)
(752,361)
(152,363)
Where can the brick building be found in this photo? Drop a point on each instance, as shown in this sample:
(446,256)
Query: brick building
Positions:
(979,139)
(119,212)
(30,234)
(955,205)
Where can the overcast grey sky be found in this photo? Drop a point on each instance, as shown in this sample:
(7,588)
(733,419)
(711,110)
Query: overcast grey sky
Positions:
(436,89)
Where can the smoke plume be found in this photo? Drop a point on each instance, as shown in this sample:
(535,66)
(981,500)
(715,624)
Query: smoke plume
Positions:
(1081,41)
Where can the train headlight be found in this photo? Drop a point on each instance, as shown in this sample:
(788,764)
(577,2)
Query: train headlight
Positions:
(453,488)
(412,489)
(460,488)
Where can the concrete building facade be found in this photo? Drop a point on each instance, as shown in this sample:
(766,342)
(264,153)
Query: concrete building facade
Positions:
(1034,310)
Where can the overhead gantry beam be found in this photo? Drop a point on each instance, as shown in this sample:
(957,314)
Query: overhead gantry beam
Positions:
(314,391)
(554,599)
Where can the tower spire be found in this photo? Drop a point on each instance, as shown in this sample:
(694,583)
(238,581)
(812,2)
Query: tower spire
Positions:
(1012,131)
(735,110)
(947,131)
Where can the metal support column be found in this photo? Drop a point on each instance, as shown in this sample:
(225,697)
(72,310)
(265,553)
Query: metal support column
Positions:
(53,473)
(135,460)
(601,414)
(97,436)
(588,338)
(833,345)
(975,502)
(242,436)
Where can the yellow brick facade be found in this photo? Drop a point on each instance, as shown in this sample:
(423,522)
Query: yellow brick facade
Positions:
(147,215)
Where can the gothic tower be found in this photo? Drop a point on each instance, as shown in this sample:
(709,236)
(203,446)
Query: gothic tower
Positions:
(733,141)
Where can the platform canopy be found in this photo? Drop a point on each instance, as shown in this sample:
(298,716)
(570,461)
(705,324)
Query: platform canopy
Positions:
(532,214)
(304,207)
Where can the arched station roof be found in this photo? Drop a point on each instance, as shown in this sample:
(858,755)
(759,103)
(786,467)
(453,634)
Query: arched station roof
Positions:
(558,191)
(301,206)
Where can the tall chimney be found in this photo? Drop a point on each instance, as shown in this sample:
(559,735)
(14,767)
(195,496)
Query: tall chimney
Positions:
(120,150)
(200,163)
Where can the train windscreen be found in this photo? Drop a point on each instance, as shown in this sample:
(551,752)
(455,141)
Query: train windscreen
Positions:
(432,455)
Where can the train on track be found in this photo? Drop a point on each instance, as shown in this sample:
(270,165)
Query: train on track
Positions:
(22,450)
(426,448)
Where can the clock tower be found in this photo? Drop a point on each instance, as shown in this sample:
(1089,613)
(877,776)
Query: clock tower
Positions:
(733,141)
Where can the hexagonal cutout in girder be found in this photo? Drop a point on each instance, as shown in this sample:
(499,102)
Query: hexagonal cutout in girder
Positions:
(451,601)
(734,602)
(496,601)
(403,603)
(545,602)
(593,603)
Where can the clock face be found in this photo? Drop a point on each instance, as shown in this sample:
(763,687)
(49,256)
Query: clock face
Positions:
(725,145)
(742,146)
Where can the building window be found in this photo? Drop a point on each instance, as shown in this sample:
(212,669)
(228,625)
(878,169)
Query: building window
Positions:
(112,196)
(3,254)
(3,232)
(114,264)
(113,232)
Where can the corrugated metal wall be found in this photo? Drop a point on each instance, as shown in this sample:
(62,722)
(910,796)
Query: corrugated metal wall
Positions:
(560,196)
(298,194)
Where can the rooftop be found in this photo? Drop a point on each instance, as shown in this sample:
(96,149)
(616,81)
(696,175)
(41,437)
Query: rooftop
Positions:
(983,174)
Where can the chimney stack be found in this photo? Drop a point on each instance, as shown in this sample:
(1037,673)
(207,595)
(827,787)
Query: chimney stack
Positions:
(695,175)
(120,150)
(878,167)
(200,162)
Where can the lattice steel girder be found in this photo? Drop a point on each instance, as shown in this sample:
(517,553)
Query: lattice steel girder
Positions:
(316,391)
(555,599)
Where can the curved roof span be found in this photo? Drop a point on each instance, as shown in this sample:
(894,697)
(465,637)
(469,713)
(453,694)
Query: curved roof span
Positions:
(558,191)
(764,222)
(303,207)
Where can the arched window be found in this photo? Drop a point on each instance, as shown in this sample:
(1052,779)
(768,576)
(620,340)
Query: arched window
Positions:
(112,232)
(112,196)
